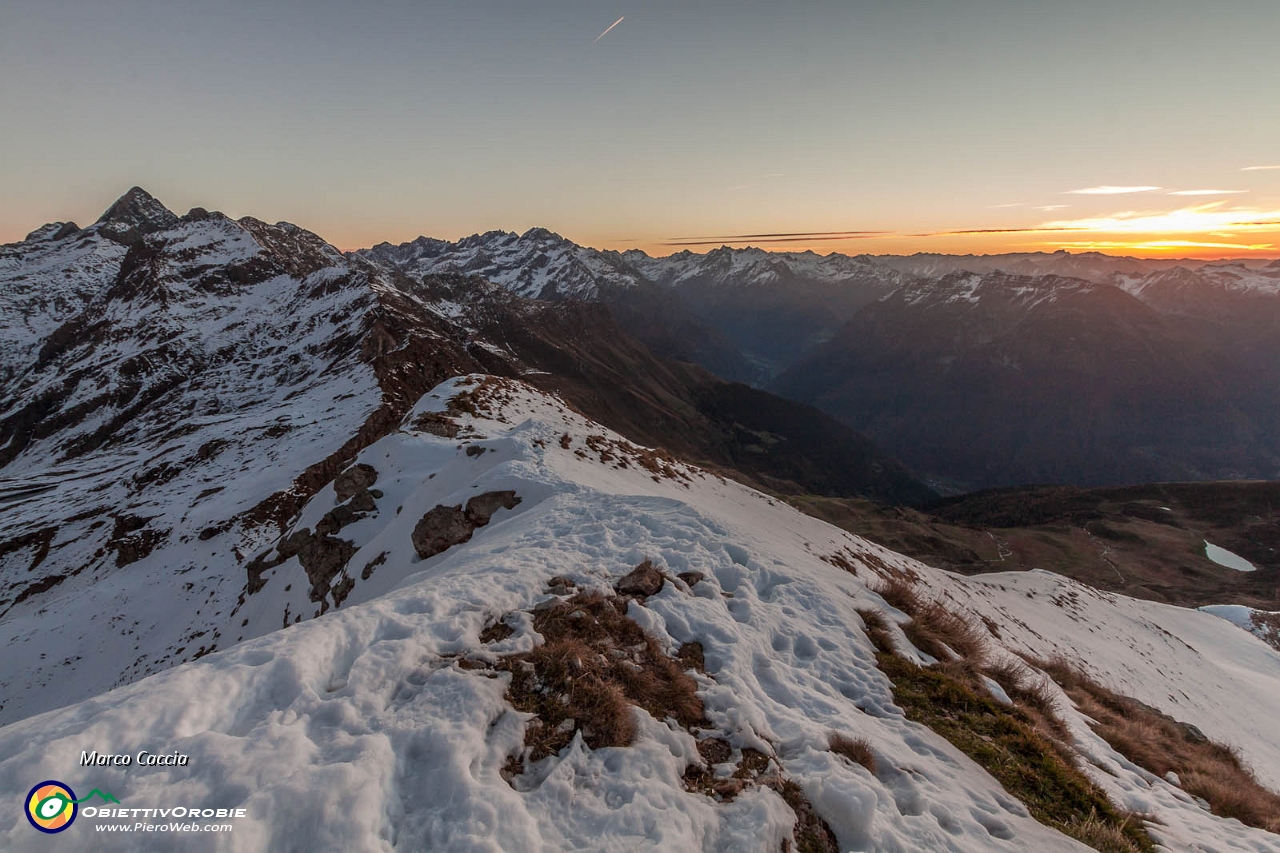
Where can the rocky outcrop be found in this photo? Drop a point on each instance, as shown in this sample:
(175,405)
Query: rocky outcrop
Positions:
(356,479)
(361,504)
(442,526)
(322,557)
(482,507)
(132,540)
(321,554)
(643,580)
(440,529)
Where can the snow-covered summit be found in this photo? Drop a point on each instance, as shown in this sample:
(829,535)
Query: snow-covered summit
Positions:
(161,401)
(537,264)
(542,264)
(135,214)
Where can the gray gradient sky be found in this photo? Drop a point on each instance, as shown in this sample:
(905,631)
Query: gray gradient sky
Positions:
(388,119)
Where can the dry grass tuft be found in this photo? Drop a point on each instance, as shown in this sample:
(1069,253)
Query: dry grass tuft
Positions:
(700,779)
(899,592)
(752,764)
(933,629)
(1158,743)
(1230,795)
(878,632)
(1106,836)
(945,634)
(812,833)
(856,749)
(963,671)
(691,656)
(595,665)
(840,561)
(496,632)
(1006,742)
(1034,693)
(1009,674)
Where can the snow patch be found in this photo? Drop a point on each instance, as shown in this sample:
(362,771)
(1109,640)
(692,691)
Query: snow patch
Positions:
(1231,560)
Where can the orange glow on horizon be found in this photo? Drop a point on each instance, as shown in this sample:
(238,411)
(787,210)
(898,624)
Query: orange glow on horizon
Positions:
(1210,231)
(1163,246)
(1259,246)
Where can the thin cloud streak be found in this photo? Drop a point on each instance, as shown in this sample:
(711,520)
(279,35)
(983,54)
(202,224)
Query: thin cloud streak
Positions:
(1161,228)
(1041,230)
(799,238)
(1110,190)
(1260,168)
(608,28)
(788,234)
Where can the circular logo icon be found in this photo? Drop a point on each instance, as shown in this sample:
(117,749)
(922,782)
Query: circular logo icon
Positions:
(51,806)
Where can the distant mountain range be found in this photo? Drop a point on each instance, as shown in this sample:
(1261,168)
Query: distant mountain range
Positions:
(977,371)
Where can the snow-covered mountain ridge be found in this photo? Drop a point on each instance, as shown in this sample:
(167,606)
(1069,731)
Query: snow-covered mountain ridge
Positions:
(177,385)
(749,314)
(537,264)
(384,725)
(175,388)
(543,264)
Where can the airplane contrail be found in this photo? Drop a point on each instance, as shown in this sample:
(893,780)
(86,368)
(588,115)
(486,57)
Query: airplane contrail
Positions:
(606,32)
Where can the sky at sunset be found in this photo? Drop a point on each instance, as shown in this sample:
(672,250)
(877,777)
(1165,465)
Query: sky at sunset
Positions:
(1148,127)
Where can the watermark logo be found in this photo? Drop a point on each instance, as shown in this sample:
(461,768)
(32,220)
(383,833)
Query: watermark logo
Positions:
(52,805)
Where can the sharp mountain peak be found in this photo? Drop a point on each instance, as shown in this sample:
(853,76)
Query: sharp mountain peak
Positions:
(139,211)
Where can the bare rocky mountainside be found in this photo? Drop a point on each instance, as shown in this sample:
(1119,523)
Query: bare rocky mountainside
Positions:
(995,379)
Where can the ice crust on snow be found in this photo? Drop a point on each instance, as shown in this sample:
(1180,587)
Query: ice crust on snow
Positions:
(359,731)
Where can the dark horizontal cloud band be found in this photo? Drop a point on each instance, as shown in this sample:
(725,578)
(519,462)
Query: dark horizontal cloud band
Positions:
(783,237)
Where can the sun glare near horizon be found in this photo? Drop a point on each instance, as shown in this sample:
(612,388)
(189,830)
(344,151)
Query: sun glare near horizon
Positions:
(1210,230)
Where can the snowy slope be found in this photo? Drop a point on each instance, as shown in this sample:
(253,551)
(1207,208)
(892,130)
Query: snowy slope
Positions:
(1231,278)
(1265,624)
(376,727)
(1091,266)
(541,264)
(45,279)
(172,377)
(1020,294)
(537,264)
(750,266)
